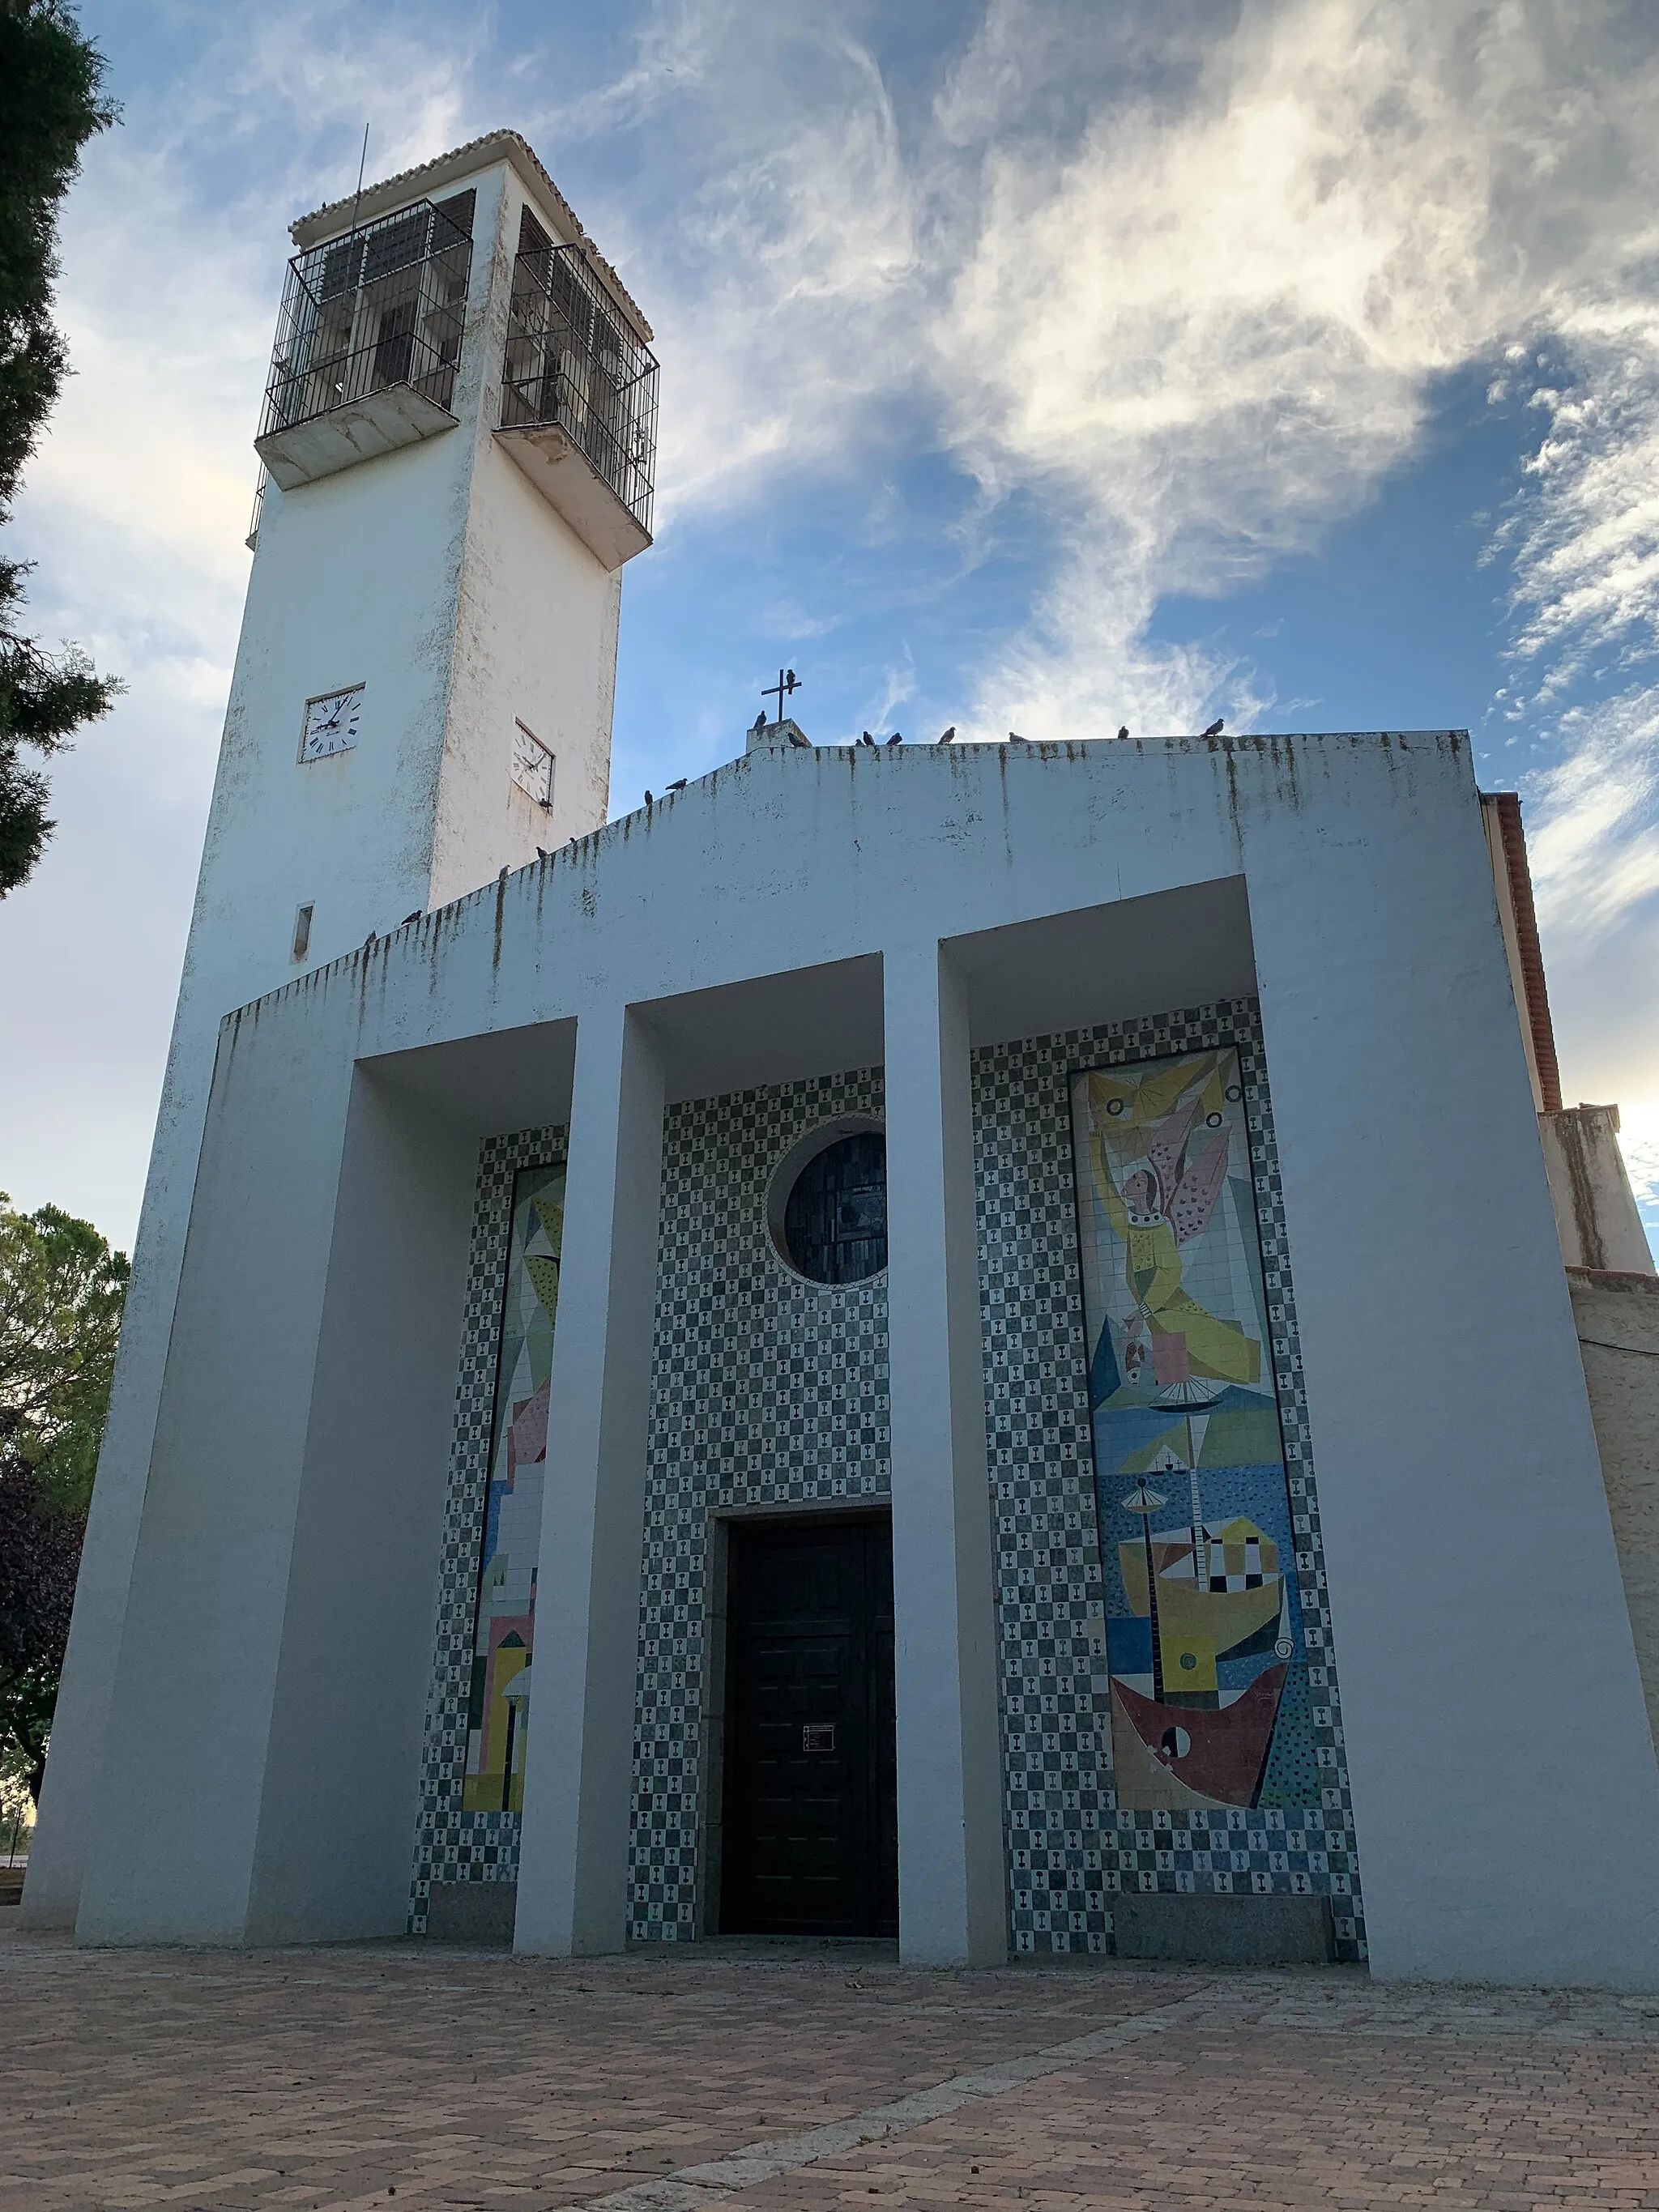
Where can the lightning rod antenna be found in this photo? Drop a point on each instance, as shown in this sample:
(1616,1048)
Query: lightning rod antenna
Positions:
(362,163)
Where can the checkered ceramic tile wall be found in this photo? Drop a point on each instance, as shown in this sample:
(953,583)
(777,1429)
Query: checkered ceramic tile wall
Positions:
(771,1391)
(766,1390)
(450,1845)
(1070,1845)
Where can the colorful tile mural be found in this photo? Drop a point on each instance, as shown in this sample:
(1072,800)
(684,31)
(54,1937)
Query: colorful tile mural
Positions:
(738,1338)
(504,1621)
(1205,1644)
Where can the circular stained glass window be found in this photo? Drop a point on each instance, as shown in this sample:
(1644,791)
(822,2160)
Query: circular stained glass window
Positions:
(834,1219)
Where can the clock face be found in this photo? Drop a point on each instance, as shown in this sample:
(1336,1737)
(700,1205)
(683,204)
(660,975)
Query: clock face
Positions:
(330,724)
(532,766)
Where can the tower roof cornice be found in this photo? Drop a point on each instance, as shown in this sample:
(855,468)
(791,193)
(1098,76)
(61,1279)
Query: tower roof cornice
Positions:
(432,176)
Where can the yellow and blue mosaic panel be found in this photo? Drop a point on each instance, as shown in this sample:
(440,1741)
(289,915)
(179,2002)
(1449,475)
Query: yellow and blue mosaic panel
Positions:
(457,1839)
(1074,1841)
(504,1614)
(1208,1664)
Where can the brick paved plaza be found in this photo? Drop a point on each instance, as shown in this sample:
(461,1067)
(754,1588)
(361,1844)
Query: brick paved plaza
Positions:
(665,2081)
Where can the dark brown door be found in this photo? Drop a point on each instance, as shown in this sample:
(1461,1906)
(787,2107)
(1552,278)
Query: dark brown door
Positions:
(810,1832)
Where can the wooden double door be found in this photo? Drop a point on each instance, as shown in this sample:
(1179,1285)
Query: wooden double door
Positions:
(810,1820)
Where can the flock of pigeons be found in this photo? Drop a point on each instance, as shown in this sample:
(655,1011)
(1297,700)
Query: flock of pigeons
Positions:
(945,737)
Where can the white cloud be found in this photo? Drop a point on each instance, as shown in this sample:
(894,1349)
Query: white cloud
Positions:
(1189,291)
(1190,295)
(1083,665)
(675,49)
(1181,293)
(784,298)
(1198,326)
(1639,1139)
(1583,534)
(899,683)
(135,509)
(1206,335)
(1594,849)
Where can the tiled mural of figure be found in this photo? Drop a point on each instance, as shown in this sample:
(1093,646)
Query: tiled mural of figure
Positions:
(1205,1646)
(505,1620)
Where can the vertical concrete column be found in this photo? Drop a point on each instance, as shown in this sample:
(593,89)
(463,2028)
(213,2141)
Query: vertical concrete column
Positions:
(52,1896)
(573,1863)
(174,1819)
(953,1909)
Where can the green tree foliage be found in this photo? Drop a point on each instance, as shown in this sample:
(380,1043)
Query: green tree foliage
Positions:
(51,85)
(39,1557)
(62,1291)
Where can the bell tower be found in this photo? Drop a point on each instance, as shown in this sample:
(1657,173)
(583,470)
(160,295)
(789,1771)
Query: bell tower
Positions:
(458,442)
(458,434)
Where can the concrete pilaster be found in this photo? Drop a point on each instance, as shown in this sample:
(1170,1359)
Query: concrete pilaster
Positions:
(52,1896)
(573,1867)
(952,1906)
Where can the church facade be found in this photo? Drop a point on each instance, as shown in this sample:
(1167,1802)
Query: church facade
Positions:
(963,1342)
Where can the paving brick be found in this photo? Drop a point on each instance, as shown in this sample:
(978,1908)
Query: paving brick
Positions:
(333,2078)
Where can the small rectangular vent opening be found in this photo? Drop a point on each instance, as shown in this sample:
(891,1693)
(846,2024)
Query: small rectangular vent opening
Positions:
(302,932)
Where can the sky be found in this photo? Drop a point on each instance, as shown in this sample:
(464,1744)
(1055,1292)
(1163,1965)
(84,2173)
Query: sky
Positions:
(1042,365)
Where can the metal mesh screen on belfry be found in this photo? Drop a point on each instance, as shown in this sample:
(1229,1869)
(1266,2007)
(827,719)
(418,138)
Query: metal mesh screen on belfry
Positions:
(384,306)
(573,361)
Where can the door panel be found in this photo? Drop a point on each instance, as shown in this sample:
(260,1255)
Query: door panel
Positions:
(809,1829)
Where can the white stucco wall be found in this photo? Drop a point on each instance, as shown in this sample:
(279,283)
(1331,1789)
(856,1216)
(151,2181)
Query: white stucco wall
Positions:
(1488,1672)
(536,641)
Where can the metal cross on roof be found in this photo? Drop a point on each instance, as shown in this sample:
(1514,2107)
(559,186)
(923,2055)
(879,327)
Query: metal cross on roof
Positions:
(787,682)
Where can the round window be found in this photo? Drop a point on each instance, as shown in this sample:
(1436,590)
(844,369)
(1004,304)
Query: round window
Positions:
(834,1218)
